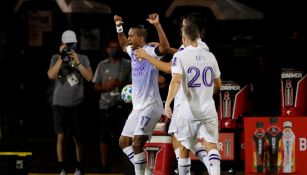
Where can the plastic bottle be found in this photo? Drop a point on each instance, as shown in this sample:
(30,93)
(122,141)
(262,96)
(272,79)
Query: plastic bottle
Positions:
(274,154)
(288,142)
(226,105)
(259,148)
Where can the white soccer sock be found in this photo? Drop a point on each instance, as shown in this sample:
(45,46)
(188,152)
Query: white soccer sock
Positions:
(184,165)
(129,152)
(139,163)
(201,154)
(215,161)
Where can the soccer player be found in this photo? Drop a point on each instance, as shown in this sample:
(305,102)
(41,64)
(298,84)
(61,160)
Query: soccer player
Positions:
(198,20)
(197,73)
(146,100)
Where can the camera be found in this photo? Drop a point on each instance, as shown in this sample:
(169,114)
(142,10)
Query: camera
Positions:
(66,66)
(66,52)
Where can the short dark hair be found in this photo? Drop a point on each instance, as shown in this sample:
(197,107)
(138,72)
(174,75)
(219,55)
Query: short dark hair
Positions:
(197,19)
(191,31)
(141,31)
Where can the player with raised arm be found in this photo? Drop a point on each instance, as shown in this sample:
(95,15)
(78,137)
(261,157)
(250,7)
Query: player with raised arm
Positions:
(146,100)
(198,20)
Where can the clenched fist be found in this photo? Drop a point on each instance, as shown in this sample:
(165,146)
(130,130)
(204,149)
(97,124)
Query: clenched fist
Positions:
(118,20)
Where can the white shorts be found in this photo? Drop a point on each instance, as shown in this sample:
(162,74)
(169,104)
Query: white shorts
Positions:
(143,121)
(172,129)
(189,130)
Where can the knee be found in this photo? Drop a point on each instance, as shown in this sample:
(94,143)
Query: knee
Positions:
(184,152)
(60,138)
(138,143)
(210,146)
(124,142)
(175,143)
(78,140)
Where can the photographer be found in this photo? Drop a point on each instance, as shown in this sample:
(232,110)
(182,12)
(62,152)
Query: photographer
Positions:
(68,69)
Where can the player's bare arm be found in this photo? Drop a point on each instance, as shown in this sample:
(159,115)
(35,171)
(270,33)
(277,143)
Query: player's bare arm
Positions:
(122,39)
(154,20)
(171,50)
(173,88)
(161,65)
(217,85)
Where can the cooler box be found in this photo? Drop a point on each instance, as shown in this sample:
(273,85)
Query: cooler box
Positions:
(161,159)
(161,127)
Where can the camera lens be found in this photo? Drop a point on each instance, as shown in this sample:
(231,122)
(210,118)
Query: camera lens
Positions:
(65,53)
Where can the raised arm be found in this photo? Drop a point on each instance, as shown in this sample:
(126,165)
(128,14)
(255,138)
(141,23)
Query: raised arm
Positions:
(154,20)
(86,72)
(171,50)
(122,39)
(55,68)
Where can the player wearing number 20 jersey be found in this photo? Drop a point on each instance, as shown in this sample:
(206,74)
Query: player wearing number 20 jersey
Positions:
(172,128)
(199,69)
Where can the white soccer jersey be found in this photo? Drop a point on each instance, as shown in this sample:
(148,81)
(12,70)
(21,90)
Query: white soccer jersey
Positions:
(206,48)
(145,89)
(172,128)
(198,68)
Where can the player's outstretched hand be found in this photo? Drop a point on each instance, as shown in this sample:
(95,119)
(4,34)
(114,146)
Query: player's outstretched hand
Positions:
(141,54)
(118,20)
(153,18)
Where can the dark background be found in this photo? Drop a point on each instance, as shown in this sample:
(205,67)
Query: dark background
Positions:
(248,51)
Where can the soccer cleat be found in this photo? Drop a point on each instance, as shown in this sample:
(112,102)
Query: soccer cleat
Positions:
(63,172)
(231,171)
(78,172)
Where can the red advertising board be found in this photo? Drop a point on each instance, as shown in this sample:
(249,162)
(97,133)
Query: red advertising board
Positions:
(275,145)
(226,146)
(293,93)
